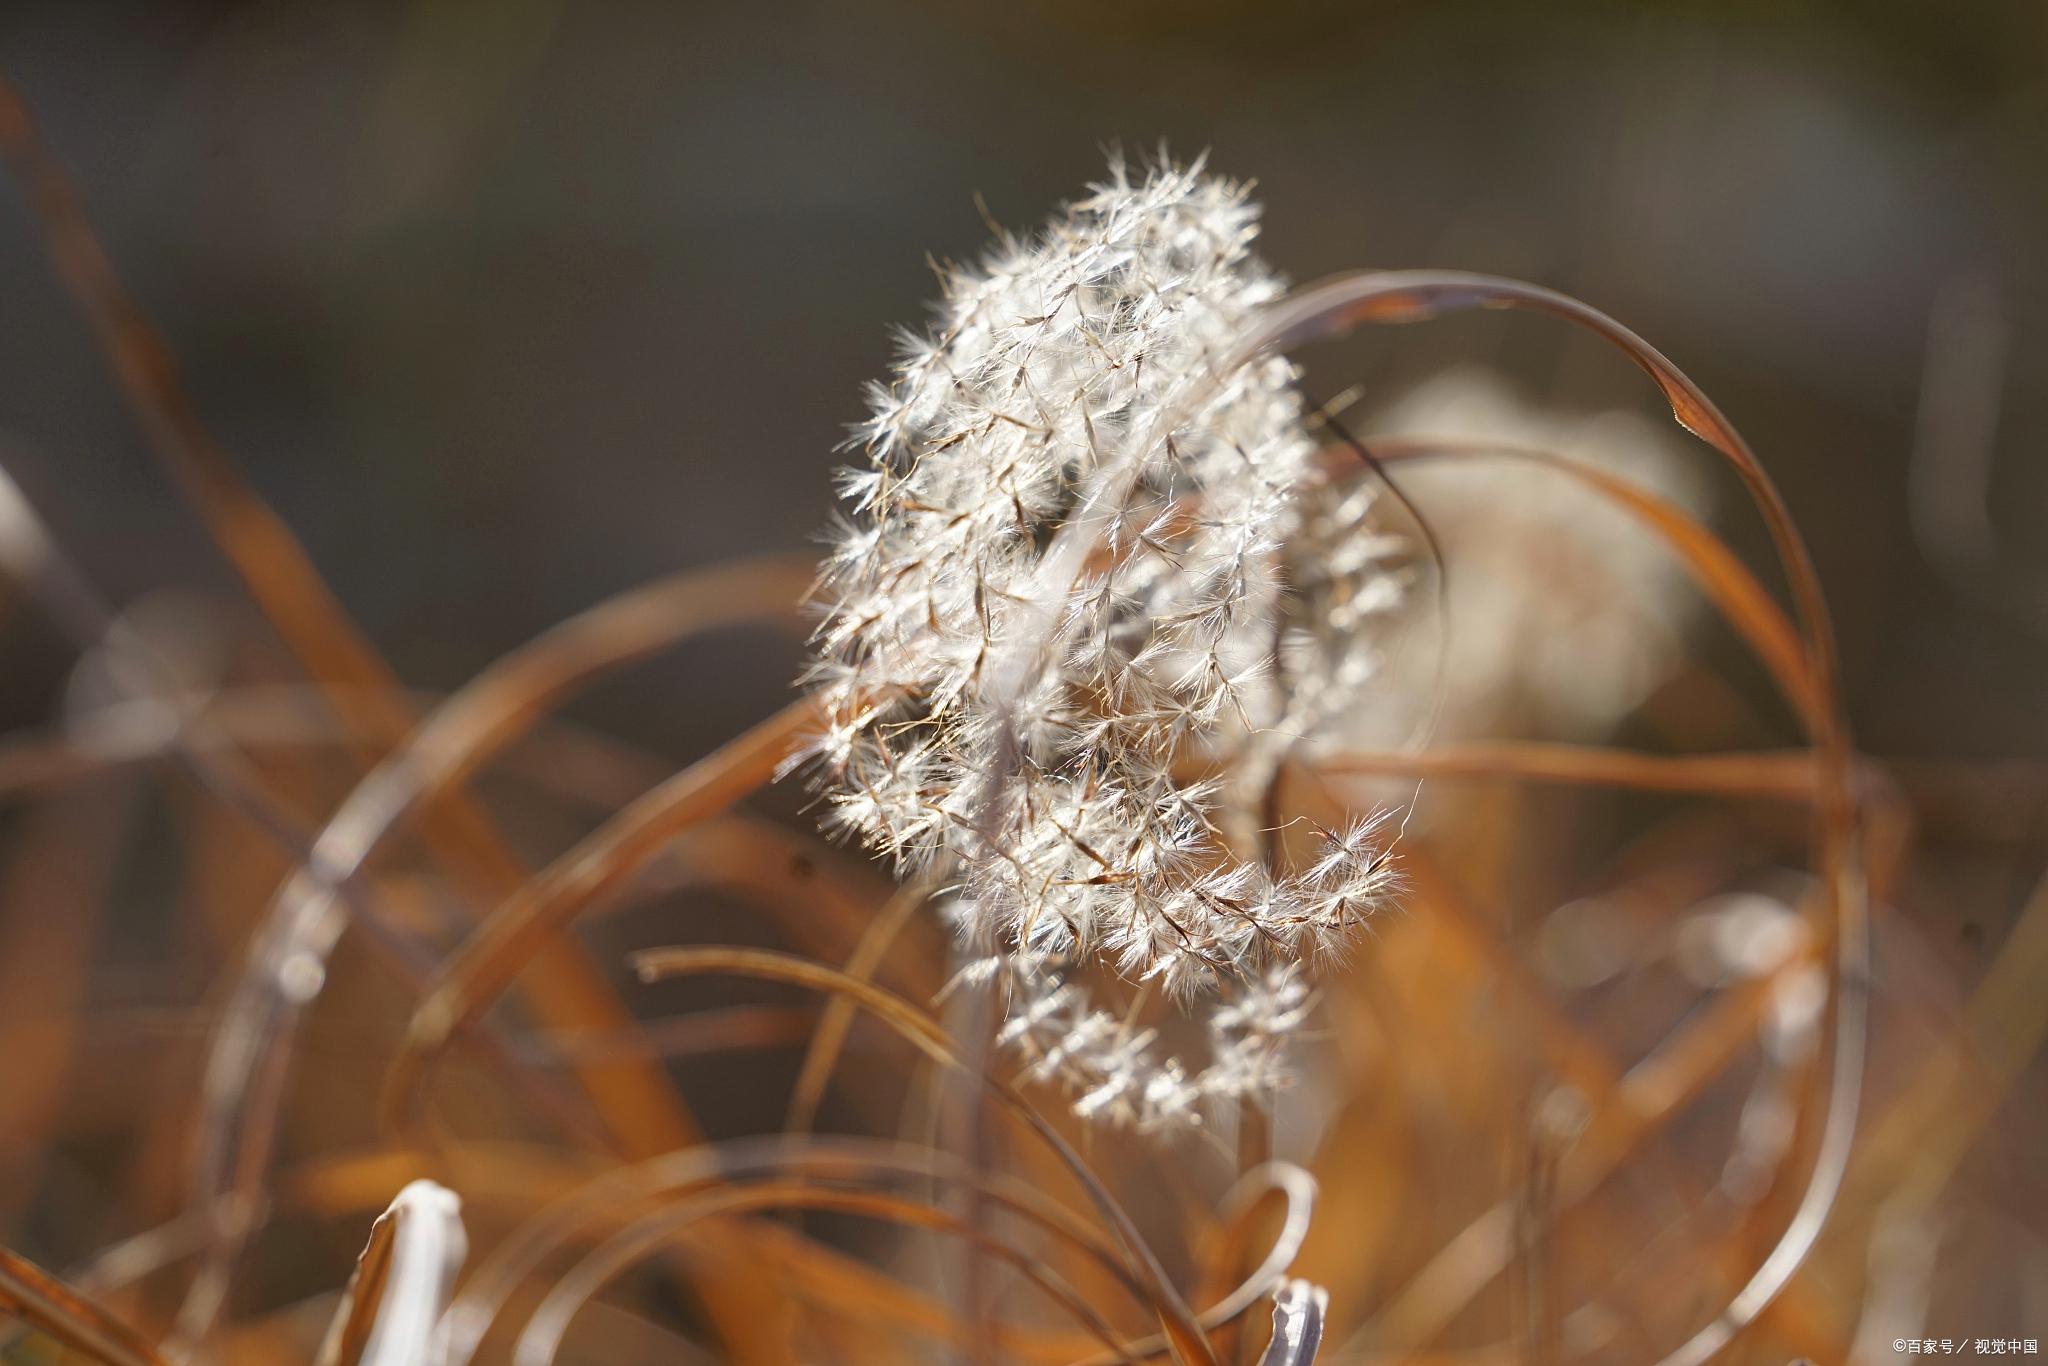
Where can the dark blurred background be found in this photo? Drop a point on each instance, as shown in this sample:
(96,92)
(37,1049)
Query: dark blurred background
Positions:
(508,304)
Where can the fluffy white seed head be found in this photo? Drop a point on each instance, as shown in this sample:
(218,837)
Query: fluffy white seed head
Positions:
(1068,808)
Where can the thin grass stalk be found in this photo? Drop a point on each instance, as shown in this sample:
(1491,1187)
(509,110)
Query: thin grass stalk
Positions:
(282,580)
(491,958)
(78,1323)
(919,1029)
(1787,775)
(821,1055)
(488,714)
(1346,302)
(541,1339)
(1727,583)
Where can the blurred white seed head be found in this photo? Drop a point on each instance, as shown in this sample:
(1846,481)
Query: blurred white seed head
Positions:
(1564,612)
(1198,632)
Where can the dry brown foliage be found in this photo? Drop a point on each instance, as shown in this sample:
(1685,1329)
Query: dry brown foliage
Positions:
(1511,1161)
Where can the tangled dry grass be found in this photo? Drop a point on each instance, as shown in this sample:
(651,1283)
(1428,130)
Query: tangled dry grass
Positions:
(1593,1092)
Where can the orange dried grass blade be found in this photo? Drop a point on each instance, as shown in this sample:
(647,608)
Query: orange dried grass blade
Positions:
(1721,576)
(266,718)
(1574,1055)
(493,955)
(498,706)
(281,577)
(1782,775)
(53,891)
(525,925)
(855,1290)
(1682,1067)
(918,1028)
(270,560)
(55,1309)
(1628,1109)
(540,1341)
(699,1034)
(663,1184)
(1338,305)
(822,1054)
(817,897)
(509,697)
(1915,1147)
(1487,1247)
(572,1197)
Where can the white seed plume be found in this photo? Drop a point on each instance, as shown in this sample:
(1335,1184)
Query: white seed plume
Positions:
(1221,619)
